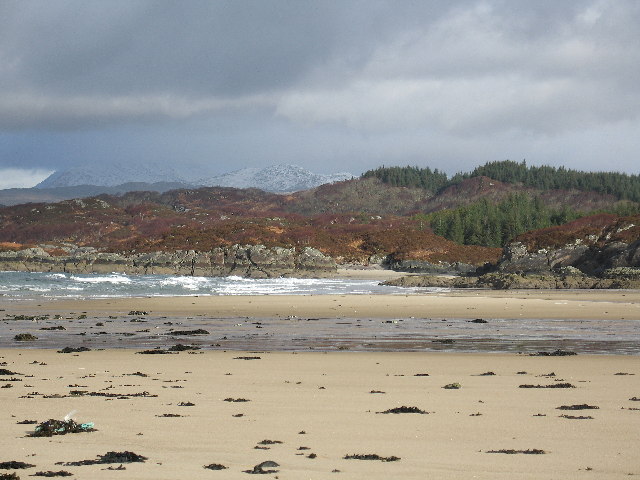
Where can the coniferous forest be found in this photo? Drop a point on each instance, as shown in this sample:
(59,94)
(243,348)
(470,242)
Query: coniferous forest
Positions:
(495,223)
(621,185)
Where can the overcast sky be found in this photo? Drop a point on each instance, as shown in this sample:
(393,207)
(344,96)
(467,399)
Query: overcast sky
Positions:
(331,85)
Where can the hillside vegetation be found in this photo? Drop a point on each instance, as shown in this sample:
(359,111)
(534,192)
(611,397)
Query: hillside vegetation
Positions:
(396,212)
(498,201)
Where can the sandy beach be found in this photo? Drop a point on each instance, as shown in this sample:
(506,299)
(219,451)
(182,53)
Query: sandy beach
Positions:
(324,407)
(183,411)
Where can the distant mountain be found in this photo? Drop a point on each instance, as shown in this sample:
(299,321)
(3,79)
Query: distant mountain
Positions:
(276,178)
(111,175)
(16,196)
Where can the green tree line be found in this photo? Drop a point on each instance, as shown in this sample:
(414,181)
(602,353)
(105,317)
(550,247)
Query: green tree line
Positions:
(432,180)
(621,185)
(495,224)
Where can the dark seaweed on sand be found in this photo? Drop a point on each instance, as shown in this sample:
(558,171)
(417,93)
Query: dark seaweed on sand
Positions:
(269,442)
(49,473)
(580,417)
(111,395)
(198,331)
(4,371)
(181,348)
(9,476)
(247,358)
(553,385)
(14,465)
(74,350)
(155,351)
(404,409)
(236,400)
(371,456)
(59,427)
(555,353)
(215,466)
(25,337)
(532,451)
(582,406)
(110,457)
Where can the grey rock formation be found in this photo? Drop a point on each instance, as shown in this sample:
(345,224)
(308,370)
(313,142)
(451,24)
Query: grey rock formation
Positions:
(421,266)
(516,258)
(593,258)
(255,261)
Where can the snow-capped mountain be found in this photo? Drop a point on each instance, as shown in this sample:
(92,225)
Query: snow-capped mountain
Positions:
(110,175)
(276,178)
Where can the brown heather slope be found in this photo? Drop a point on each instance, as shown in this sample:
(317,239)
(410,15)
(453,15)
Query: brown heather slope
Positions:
(205,219)
(592,230)
(351,220)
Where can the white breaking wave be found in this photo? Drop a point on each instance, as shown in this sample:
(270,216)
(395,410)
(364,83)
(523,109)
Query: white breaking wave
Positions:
(190,283)
(107,279)
(57,275)
(29,284)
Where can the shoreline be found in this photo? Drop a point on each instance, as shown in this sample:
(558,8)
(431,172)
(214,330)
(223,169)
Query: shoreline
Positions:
(546,304)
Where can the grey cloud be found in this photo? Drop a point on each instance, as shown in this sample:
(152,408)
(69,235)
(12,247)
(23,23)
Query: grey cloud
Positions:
(359,81)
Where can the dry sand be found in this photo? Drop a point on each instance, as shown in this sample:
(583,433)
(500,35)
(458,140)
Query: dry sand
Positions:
(581,304)
(329,397)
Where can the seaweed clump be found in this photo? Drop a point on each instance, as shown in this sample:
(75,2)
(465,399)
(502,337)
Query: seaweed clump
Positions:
(371,456)
(61,427)
(15,465)
(111,457)
(553,385)
(25,337)
(404,409)
(49,473)
(582,406)
(9,476)
(531,451)
(555,353)
(74,350)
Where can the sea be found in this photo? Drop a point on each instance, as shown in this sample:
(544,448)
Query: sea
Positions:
(425,334)
(21,285)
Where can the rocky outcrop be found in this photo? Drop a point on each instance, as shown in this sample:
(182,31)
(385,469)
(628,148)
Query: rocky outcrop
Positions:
(255,261)
(592,259)
(589,263)
(422,266)
(514,281)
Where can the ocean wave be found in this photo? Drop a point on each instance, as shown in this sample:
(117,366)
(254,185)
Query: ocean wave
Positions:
(56,275)
(115,278)
(189,283)
(120,285)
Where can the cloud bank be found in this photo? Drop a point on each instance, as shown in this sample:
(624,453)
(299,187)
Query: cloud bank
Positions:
(225,84)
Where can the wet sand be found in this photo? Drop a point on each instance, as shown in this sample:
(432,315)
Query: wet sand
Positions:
(571,304)
(329,398)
